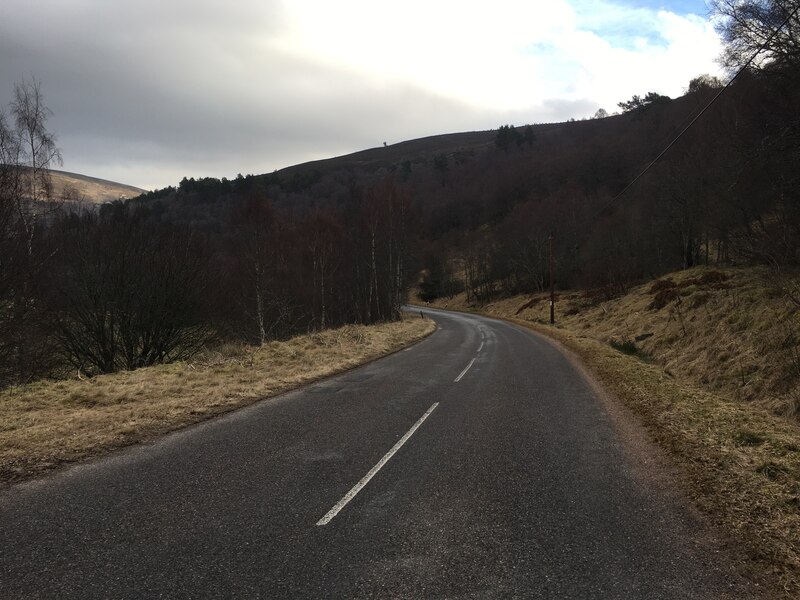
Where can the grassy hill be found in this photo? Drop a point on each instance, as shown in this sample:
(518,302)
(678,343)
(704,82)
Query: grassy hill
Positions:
(727,329)
(386,157)
(468,144)
(91,189)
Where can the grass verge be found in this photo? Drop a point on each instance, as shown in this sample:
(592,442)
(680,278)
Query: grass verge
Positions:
(728,330)
(739,464)
(46,424)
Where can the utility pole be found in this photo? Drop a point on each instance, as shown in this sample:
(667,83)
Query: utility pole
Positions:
(552,284)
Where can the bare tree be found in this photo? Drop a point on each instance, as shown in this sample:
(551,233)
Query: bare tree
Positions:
(130,292)
(746,25)
(36,152)
(386,216)
(27,149)
(324,235)
(8,158)
(259,248)
(704,83)
(8,180)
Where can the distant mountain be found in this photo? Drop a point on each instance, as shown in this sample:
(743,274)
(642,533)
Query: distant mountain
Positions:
(91,189)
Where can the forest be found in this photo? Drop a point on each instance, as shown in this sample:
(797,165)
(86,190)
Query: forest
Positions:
(262,257)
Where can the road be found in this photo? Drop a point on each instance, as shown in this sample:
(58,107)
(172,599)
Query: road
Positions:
(496,472)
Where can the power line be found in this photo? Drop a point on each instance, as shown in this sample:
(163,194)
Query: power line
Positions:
(705,108)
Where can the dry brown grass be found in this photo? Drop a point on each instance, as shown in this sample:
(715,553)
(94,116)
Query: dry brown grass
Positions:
(740,464)
(90,189)
(722,329)
(713,386)
(45,424)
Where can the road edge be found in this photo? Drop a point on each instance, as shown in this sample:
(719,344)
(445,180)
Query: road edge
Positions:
(653,465)
(64,466)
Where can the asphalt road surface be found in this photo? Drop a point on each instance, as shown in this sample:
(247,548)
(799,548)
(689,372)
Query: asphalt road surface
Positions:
(476,464)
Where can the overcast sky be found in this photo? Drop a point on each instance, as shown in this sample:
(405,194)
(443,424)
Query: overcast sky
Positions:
(146,91)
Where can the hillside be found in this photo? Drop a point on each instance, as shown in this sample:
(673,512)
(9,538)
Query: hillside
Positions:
(457,182)
(493,204)
(90,189)
(729,330)
(452,171)
(722,194)
(393,155)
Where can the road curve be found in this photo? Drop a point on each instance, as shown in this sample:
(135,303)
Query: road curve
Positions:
(513,483)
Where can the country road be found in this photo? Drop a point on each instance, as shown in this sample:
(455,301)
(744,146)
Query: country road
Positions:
(478,463)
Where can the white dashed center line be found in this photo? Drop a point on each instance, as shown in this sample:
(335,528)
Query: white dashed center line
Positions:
(365,480)
(464,372)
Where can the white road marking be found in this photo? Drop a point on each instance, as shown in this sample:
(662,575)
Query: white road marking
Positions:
(365,480)
(480,348)
(464,372)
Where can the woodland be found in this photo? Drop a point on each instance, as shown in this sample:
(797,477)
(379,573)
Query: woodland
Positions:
(261,257)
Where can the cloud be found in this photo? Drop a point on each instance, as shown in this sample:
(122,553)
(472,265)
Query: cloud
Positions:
(147,92)
(508,54)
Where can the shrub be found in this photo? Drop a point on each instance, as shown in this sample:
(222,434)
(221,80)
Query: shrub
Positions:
(661,285)
(662,298)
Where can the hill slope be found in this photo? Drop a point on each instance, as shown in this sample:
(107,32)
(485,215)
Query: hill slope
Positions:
(91,189)
(386,157)
(727,329)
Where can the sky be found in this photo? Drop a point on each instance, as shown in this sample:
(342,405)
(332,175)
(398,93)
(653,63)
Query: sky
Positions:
(145,92)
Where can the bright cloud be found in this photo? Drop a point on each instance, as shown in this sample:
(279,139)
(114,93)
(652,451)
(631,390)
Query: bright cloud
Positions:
(508,55)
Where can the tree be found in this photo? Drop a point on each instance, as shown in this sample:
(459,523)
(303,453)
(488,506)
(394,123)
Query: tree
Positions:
(638,103)
(601,113)
(253,223)
(704,83)
(746,25)
(27,149)
(37,144)
(506,135)
(437,280)
(128,292)
(441,164)
(8,247)
(323,235)
(9,153)
(32,150)
(385,213)
(529,136)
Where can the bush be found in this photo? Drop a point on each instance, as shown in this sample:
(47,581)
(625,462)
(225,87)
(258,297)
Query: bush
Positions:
(661,285)
(662,298)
